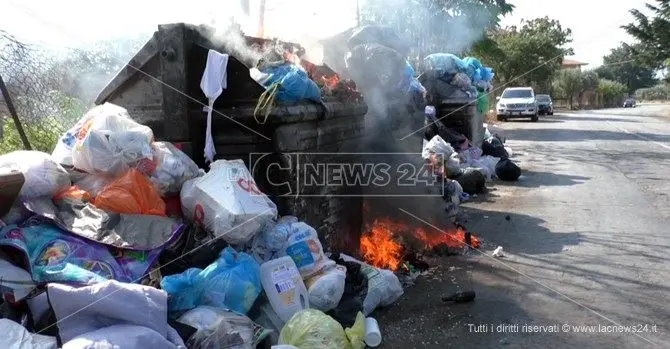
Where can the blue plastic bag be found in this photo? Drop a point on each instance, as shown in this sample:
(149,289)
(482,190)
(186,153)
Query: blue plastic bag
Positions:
(446,62)
(233,282)
(487,74)
(473,62)
(294,86)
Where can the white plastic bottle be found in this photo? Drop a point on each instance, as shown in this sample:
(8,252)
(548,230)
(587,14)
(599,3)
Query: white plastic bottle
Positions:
(284,287)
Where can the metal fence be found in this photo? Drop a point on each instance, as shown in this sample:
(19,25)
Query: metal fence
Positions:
(51,89)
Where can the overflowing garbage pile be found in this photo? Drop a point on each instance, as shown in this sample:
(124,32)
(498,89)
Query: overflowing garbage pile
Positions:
(291,78)
(450,77)
(115,240)
(465,167)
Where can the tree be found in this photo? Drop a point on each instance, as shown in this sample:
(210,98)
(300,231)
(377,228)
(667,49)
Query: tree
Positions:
(622,65)
(611,92)
(568,83)
(588,81)
(436,25)
(653,33)
(532,54)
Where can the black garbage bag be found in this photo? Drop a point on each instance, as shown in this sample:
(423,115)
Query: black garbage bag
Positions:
(472,180)
(506,170)
(355,291)
(494,147)
(195,248)
(378,34)
(376,66)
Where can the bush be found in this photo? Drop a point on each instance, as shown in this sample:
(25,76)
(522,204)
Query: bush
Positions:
(611,92)
(656,93)
(43,133)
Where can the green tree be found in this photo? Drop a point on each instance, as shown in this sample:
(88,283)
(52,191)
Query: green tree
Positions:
(436,25)
(611,92)
(655,93)
(622,65)
(532,54)
(567,83)
(653,33)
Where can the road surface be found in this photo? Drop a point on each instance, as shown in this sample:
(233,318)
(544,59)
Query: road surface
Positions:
(586,232)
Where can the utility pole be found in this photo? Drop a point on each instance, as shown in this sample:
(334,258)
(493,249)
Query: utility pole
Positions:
(261,20)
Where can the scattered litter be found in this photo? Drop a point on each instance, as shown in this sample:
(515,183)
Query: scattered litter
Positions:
(508,217)
(498,252)
(373,336)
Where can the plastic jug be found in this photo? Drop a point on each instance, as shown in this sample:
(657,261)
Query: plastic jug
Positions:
(284,287)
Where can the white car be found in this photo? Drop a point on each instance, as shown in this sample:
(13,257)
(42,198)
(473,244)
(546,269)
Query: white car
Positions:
(517,102)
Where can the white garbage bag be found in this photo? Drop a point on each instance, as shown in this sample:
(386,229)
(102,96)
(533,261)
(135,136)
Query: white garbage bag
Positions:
(222,329)
(384,287)
(326,287)
(110,142)
(15,336)
(437,149)
(172,168)
(290,237)
(43,176)
(436,145)
(227,202)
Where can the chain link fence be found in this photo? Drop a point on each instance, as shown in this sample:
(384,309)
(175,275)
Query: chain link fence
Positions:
(52,89)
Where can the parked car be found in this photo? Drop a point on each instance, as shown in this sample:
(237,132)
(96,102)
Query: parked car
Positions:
(517,102)
(545,106)
(629,103)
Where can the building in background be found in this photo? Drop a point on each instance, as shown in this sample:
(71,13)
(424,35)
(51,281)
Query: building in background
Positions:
(572,64)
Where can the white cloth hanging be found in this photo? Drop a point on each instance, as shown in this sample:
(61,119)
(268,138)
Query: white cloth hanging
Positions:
(212,84)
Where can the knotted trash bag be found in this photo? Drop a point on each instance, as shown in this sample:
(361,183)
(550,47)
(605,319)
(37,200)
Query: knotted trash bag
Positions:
(233,282)
(494,147)
(506,170)
(473,181)
(132,193)
(377,34)
(294,84)
(43,175)
(312,329)
(222,329)
(446,62)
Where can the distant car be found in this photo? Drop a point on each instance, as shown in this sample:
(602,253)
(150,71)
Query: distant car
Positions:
(517,102)
(545,106)
(629,103)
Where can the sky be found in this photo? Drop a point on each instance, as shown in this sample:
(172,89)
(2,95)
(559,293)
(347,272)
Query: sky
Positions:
(73,23)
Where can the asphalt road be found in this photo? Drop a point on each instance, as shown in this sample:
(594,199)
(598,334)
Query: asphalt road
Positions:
(586,236)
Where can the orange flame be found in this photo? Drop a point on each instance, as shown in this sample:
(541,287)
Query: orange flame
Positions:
(380,246)
(331,82)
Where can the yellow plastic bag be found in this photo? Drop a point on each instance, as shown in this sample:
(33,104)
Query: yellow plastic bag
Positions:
(313,329)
